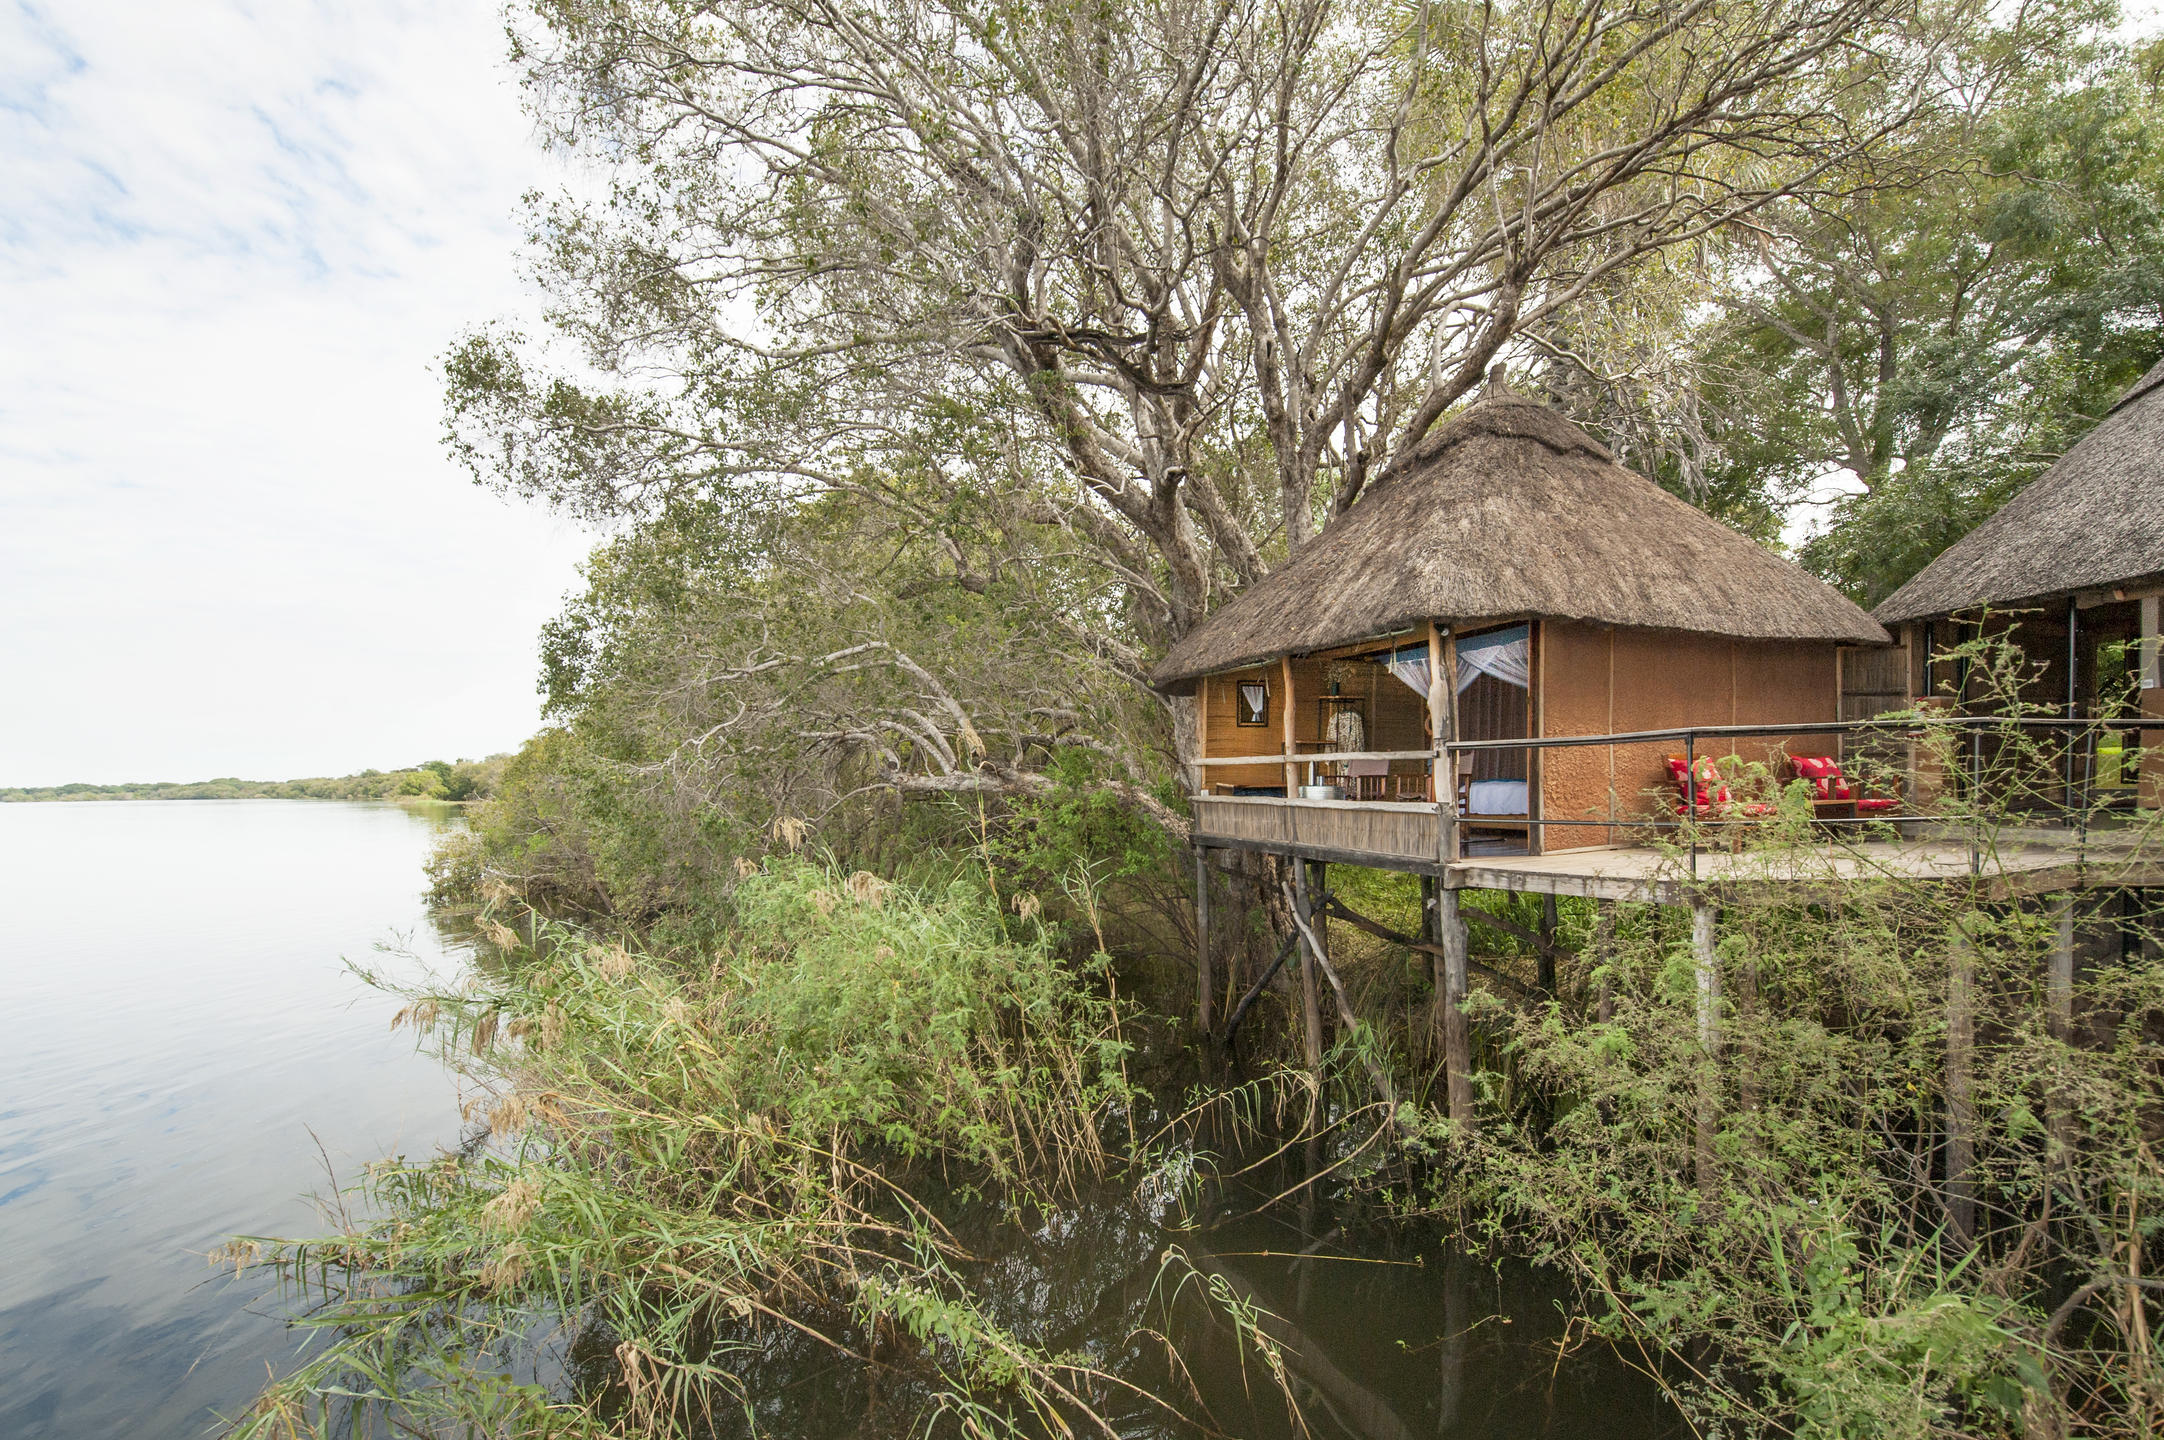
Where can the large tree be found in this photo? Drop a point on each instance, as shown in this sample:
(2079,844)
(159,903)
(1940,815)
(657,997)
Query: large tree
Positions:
(1944,315)
(1109,304)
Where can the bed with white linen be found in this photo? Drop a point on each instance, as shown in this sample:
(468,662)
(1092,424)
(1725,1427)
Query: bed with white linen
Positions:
(1496,797)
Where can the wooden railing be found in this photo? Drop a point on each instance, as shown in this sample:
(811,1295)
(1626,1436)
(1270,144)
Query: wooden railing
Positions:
(1424,829)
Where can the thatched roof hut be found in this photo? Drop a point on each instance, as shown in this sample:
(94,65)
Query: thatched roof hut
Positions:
(2094,519)
(1510,510)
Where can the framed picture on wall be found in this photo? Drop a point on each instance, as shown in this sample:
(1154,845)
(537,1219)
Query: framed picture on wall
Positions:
(1251,702)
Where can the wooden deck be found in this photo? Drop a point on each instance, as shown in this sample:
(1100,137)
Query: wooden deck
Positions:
(1404,836)
(2028,864)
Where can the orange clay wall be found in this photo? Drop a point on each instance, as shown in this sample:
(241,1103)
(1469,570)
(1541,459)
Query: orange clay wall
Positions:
(1599,680)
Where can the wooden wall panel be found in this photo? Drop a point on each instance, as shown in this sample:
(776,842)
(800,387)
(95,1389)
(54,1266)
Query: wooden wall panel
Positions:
(1223,735)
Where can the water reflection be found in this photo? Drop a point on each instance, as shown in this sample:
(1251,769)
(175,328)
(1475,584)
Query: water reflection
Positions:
(1386,1333)
(185,1055)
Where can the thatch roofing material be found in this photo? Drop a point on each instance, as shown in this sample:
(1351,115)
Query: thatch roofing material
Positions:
(1511,510)
(2096,518)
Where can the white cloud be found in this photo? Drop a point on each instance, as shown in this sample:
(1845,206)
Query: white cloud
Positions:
(234,240)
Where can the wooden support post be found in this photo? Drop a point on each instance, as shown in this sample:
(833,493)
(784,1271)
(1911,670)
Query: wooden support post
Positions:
(1287,728)
(1705,957)
(1310,1001)
(1201,772)
(1603,953)
(1450,998)
(1319,885)
(1445,780)
(2059,1012)
(1961,1084)
(1430,934)
(1544,962)
(1204,971)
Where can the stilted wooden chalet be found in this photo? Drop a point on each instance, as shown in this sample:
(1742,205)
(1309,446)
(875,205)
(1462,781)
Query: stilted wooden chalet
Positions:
(1510,582)
(2072,568)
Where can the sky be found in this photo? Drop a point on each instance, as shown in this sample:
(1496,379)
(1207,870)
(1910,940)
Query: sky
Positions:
(235,240)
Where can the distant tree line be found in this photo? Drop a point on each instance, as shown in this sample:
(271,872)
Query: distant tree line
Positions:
(430,780)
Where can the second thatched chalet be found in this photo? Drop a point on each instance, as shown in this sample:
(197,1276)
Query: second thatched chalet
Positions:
(1510,581)
(2072,571)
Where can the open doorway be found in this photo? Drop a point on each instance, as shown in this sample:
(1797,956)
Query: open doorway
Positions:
(1495,702)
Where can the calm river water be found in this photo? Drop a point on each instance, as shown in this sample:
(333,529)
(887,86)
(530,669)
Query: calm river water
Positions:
(182,1050)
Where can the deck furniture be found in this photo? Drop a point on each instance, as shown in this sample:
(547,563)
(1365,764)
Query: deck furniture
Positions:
(1367,779)
(1830,789)
(1709,798)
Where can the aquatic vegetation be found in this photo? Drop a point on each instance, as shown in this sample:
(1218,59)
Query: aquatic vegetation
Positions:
(691,1153)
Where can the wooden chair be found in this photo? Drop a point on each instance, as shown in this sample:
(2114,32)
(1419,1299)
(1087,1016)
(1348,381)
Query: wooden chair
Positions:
(1830,788)
(1709,797)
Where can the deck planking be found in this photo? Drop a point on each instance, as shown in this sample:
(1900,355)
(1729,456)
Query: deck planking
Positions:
(2024,865)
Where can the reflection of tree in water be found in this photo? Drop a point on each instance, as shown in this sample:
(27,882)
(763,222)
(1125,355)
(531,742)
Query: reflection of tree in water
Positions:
(1382,1339)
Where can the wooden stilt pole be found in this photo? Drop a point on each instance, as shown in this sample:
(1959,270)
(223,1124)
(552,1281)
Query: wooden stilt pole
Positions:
(1545,961)
(2059,1011)
(1960,1085)
(1450,997)
(1310,1002)
(1205,975)
(1603,952)
(1319,917)
(1430,935)
(1705,957)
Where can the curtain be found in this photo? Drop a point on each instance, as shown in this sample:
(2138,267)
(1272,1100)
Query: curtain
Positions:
(1347,731)
(1505,654)
(1411,666)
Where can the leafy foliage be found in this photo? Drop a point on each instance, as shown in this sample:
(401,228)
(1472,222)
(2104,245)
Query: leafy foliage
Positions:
(685,1149)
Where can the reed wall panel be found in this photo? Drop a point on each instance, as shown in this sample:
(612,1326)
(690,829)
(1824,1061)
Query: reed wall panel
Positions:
(1388,832)
(1223,735)
(1576,695)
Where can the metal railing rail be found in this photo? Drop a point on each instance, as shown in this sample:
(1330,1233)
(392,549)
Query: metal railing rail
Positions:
(1907,727)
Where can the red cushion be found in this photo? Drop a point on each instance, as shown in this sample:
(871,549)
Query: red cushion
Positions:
(1875,806)
(1710,790)
(1824,773)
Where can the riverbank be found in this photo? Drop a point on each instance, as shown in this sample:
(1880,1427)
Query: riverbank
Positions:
(441,781)
(886,1159)
(1741,1168)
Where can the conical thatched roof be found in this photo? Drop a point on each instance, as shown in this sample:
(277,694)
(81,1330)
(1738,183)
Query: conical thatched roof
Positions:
(2096,518)
(1512,510)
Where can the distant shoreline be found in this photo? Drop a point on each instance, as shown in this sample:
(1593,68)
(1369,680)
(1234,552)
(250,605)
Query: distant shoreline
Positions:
(434,781)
